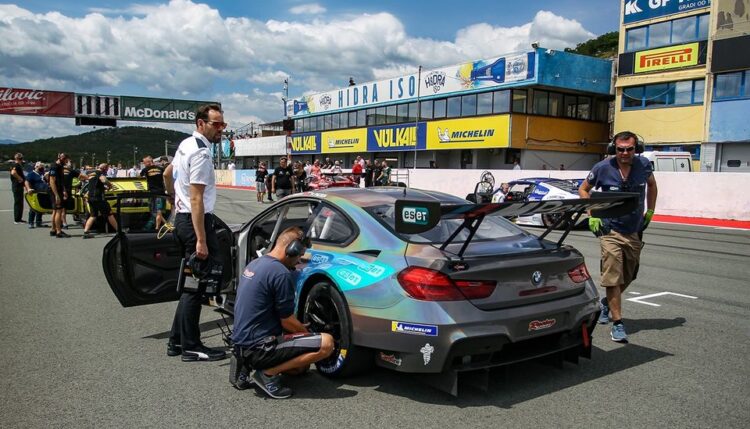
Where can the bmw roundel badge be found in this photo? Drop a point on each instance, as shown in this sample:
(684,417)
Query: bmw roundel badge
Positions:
(536,278)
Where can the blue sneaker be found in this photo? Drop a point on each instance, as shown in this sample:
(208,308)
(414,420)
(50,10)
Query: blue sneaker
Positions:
(271,385)
(618,334)
(604,315)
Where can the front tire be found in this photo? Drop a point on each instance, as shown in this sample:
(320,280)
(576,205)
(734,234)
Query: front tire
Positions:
(326,311)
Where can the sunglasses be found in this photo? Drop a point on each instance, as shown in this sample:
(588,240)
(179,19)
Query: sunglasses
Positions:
(217,124)
(626,149)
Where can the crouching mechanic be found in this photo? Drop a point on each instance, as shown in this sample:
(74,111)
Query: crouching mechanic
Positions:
(620,238)
(264,312)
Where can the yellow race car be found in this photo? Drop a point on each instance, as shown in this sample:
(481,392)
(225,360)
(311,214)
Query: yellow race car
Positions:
(135,212)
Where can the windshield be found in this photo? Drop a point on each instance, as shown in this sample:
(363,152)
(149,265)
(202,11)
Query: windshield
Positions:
(492,228)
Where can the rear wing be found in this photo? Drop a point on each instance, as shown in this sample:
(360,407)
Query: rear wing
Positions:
(415,216)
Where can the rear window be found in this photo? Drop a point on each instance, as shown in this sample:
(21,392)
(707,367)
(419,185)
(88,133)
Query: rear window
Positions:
(492,228)
(566,185)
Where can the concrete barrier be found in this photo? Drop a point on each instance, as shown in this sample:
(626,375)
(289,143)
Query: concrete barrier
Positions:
(698,195)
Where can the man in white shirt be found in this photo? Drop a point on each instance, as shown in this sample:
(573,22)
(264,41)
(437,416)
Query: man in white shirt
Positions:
(191,184)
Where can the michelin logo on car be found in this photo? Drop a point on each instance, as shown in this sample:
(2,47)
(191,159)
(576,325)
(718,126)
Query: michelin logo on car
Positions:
(414,329)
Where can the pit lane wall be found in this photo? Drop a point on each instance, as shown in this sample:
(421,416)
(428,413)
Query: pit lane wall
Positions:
(698,195)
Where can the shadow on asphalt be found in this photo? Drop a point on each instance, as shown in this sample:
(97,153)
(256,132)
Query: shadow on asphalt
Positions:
(508,386)
(637,325)
(516,383)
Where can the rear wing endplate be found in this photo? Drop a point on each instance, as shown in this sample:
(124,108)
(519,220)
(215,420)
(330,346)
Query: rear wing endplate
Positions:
(416,217)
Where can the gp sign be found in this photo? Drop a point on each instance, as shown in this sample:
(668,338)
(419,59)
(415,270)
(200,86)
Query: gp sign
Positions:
(638,10)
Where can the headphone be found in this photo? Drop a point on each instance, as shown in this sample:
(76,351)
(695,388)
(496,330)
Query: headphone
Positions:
(295,248)
(624,135)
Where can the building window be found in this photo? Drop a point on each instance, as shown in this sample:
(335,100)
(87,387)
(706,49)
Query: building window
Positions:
(501,102)
(353,119)
(426,109)
(334,121)
(469,105)
(519,100)
(666,33)
(570,103)
(380,116)
(439,109)
(602,110)
(555,104)
(454,107)
(362,118)
(391,114)
(412,115)
(540,103)
(584,108)
(636,38)
(371,117)
(732,85)
(484,103)
(682,93)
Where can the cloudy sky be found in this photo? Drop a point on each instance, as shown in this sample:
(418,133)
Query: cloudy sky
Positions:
(240,52)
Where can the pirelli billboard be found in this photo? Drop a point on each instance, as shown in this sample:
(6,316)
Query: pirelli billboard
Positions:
(663,59)
(159,109)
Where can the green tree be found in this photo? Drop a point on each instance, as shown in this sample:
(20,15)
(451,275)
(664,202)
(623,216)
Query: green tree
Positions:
(604,46)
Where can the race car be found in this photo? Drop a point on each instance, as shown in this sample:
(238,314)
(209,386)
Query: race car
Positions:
(410,280)
(329,180)
(543,189)
(135,212)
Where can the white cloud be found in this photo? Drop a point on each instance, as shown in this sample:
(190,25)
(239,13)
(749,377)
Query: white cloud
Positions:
(187,50)
(308,9)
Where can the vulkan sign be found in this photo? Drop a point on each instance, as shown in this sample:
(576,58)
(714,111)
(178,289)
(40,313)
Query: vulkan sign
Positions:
(667,58)
(17,101)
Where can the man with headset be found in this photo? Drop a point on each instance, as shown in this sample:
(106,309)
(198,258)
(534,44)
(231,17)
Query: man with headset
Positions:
(620,238)
(190,181)
(267,335)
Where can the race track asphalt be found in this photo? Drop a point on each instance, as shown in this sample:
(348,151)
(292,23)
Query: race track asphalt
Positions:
(71,356)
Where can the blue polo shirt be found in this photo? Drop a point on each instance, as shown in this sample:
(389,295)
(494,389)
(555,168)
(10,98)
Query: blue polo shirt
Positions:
(265,295)
(606,177)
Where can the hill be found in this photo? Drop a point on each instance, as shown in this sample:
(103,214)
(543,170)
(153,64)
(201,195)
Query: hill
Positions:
(7,141)
(604,46)
(120,142)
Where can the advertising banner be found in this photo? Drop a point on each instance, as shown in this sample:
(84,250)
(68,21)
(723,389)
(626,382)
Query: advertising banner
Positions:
(36,102)
(396,137)
(160,109)
(224,177)
(638,10)
(344,141)
(307,143)
(244,178)
(469,133)
(488,73)
(667,58)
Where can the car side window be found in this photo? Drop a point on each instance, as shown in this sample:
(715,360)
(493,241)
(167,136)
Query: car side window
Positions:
(331,226)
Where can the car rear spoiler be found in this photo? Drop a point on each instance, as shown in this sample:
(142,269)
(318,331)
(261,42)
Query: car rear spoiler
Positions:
(418,216)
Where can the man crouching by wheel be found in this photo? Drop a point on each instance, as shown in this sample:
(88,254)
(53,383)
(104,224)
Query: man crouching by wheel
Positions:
(268,337)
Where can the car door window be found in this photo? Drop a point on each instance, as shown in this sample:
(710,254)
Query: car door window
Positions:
(665,164)
(331,226)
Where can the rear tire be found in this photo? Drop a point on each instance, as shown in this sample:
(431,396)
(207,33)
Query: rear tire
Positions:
(551,219)
(326,311)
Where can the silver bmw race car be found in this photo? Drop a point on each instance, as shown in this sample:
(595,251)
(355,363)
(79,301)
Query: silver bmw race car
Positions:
(414,281)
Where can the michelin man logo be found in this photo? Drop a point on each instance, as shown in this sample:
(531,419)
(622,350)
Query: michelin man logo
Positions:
(427,352)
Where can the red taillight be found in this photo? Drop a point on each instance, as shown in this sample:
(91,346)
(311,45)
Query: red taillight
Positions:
(430,285)
(579,274)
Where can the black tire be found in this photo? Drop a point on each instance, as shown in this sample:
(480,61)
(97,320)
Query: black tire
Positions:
(326,311)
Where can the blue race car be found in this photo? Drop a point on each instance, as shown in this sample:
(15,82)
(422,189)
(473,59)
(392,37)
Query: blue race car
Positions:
(414,281)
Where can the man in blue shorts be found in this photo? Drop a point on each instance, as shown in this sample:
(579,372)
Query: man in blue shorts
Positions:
(267,335)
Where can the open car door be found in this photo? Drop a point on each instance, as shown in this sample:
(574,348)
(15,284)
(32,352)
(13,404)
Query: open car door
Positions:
(142,266)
